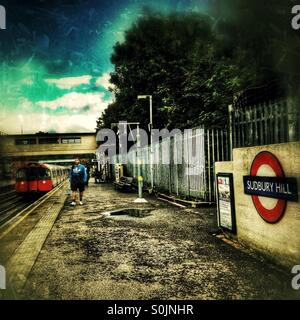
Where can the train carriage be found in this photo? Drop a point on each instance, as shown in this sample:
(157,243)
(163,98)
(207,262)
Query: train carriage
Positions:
(36,177)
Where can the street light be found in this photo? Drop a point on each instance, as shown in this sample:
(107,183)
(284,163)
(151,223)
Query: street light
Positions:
(151,140)
(140,198)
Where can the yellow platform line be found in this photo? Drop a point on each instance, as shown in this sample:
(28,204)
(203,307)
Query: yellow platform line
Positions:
(27,211)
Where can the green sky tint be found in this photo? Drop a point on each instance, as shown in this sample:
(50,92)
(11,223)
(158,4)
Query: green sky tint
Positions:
(59,79)
(28,90)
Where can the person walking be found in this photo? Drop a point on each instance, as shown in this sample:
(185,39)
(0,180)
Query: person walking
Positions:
(78,178)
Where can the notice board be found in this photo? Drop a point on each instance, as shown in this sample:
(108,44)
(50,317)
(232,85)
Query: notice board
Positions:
(225,202)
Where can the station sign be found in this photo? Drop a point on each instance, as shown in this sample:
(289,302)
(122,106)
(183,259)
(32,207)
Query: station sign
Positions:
(272,187)
(276,186)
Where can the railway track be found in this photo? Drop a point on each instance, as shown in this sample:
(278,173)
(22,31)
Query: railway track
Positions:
(6,199)
(4,195)
(6,188)
(14,208)
(12,205)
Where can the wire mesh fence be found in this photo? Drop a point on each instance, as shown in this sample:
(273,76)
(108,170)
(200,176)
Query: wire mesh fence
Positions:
(183,165)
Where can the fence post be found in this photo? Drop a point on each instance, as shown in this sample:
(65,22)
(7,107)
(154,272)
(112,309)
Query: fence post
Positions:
(177,178)
(209,165)
(217,144)
(230,111)
(255,126)
(276,123)
(291,118)
(222,145)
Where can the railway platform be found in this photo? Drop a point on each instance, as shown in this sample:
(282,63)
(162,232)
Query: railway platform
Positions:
(113,248)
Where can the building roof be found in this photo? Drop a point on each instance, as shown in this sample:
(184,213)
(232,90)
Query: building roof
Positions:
(50,134)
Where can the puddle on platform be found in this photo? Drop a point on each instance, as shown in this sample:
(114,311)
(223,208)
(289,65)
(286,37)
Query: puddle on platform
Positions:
(135,213)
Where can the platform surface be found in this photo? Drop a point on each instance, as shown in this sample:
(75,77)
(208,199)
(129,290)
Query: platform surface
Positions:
(166,253)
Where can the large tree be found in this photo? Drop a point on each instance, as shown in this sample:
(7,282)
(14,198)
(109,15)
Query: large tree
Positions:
(193,64)
(156,58)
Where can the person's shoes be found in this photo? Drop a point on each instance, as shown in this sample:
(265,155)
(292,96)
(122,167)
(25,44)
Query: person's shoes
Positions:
(73,203)
(81,203)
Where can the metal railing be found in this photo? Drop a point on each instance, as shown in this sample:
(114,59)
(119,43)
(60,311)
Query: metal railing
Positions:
(276,121)
(264,123)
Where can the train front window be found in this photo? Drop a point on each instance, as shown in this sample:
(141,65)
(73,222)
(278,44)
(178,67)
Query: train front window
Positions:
(21,174)
(32,173)
(44,173)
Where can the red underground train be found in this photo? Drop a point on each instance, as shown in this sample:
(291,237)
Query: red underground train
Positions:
(37,177)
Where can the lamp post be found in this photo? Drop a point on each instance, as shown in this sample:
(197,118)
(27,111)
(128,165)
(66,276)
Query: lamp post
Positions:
(140,179)
(151,138)
(140,198)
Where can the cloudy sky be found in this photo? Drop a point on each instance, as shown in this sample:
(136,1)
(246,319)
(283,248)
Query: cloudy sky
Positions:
(55,59)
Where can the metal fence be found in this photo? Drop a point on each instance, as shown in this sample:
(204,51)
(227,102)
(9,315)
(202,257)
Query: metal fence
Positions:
(183,164)
(276,121)
(264,123)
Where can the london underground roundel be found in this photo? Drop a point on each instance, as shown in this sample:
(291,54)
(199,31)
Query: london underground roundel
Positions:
(275,214)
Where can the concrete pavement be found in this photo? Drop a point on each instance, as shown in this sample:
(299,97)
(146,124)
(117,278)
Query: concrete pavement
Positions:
(167,253)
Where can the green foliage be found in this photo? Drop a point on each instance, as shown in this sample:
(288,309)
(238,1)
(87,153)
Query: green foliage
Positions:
(193,64)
